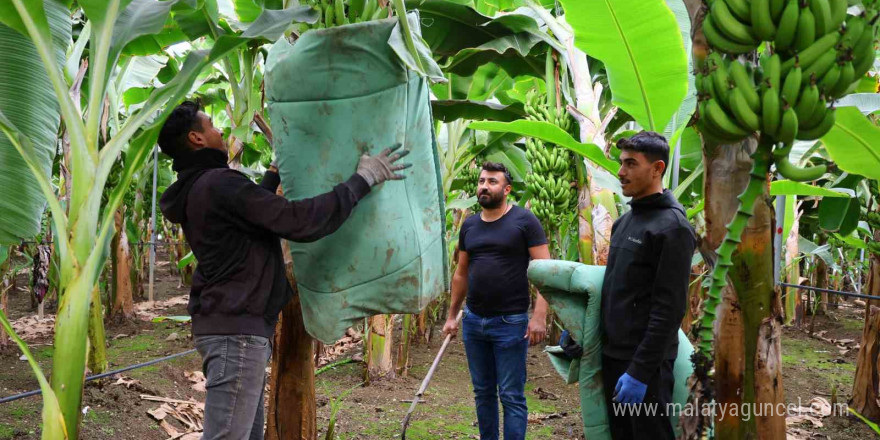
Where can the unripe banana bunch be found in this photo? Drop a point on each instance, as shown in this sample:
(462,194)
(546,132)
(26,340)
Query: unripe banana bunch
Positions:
(873,219)
(471,176)
(874,247)
(342,12)
(818,54)
(550,181)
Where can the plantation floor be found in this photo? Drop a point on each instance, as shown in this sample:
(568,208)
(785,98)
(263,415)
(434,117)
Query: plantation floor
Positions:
(811,368)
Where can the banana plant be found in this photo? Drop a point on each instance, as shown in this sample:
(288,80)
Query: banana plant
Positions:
(85,229)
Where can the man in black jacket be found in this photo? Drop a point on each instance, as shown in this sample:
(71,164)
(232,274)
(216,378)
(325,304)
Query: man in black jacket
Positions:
(239,286)
(644,294)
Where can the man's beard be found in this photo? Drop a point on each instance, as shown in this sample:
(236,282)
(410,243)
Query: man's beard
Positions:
(492,201)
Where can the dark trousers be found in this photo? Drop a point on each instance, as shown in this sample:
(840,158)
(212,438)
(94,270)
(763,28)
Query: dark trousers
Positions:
(235,368)
(648,420)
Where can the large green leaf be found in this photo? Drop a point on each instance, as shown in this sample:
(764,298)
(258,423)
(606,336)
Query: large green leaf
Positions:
(550,133)
(24,81)
(854,143)
(451,110)
(642,48)
(512,157)
(682,116)
(790,188)
(465,39)
(841,215)
(271,24)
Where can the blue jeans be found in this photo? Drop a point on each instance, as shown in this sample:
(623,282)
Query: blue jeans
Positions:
(496,350)
(235,369)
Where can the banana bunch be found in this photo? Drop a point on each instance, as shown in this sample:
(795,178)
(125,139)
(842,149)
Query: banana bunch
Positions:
(550,181)
(873,219)
(818,54)
(739,26)
(470,176)
(342,12)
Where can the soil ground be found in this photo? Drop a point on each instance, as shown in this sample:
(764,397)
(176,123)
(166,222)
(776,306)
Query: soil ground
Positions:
(811,367)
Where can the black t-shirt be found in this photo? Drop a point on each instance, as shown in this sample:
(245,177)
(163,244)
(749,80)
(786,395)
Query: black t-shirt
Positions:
(498,258)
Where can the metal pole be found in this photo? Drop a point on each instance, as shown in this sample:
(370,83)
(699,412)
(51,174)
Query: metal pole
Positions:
(778,239)
(153,222)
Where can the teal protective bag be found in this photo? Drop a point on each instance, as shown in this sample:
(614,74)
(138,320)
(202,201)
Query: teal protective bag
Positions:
(333,95)
(574,291)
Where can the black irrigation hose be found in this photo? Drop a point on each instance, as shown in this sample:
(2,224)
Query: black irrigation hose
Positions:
(835,292)
(102,375)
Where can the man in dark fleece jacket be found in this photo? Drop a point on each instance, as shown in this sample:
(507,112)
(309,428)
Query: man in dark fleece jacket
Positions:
(644,294)
(239,286)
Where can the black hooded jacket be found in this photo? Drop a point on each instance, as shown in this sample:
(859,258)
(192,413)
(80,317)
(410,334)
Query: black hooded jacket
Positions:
(644,294)
(233,227)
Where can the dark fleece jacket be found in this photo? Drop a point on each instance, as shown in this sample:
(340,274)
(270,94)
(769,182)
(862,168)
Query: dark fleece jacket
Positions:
(233,227)
(644,294)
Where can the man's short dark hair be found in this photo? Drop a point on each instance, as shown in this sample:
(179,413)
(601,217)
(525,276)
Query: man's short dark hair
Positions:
(183,119)
(496,166)
(652,145)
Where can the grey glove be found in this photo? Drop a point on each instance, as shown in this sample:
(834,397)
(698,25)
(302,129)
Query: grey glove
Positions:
(379,168)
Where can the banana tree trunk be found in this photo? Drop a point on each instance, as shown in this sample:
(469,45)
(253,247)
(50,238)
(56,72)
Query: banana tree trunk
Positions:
(292,379)
(793,272)
(292,412)
(748,324)
(379,341)
(866,387)
(122,297)
(6,284)
(97,341)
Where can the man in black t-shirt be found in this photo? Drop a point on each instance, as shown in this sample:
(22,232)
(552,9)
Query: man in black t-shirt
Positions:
(494,251)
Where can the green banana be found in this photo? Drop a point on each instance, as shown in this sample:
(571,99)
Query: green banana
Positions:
(339,12)
(710,133)
(806,105)
(866,39)
(820,129)
(847,76)
(816,118)
(762,20)
(720,42)
(718,118)
(822,13)
(729,26)
(809,55)
(798,174)
(770,111)
(821,66)
(787,26)
(741,9)
(830,79)
(721,83)
(806,30)
(369,9)
(380,13)
(838,13)
(329,14)
(788,127)
(776,8)
(855,25)
(742,81)
(863,54)
(742,112)
(791,88)
(773,71)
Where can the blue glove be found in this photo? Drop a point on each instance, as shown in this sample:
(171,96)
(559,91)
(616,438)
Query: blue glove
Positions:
(629,390)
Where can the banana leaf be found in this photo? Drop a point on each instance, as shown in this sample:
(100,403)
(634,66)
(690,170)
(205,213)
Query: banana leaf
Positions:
(643,50)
